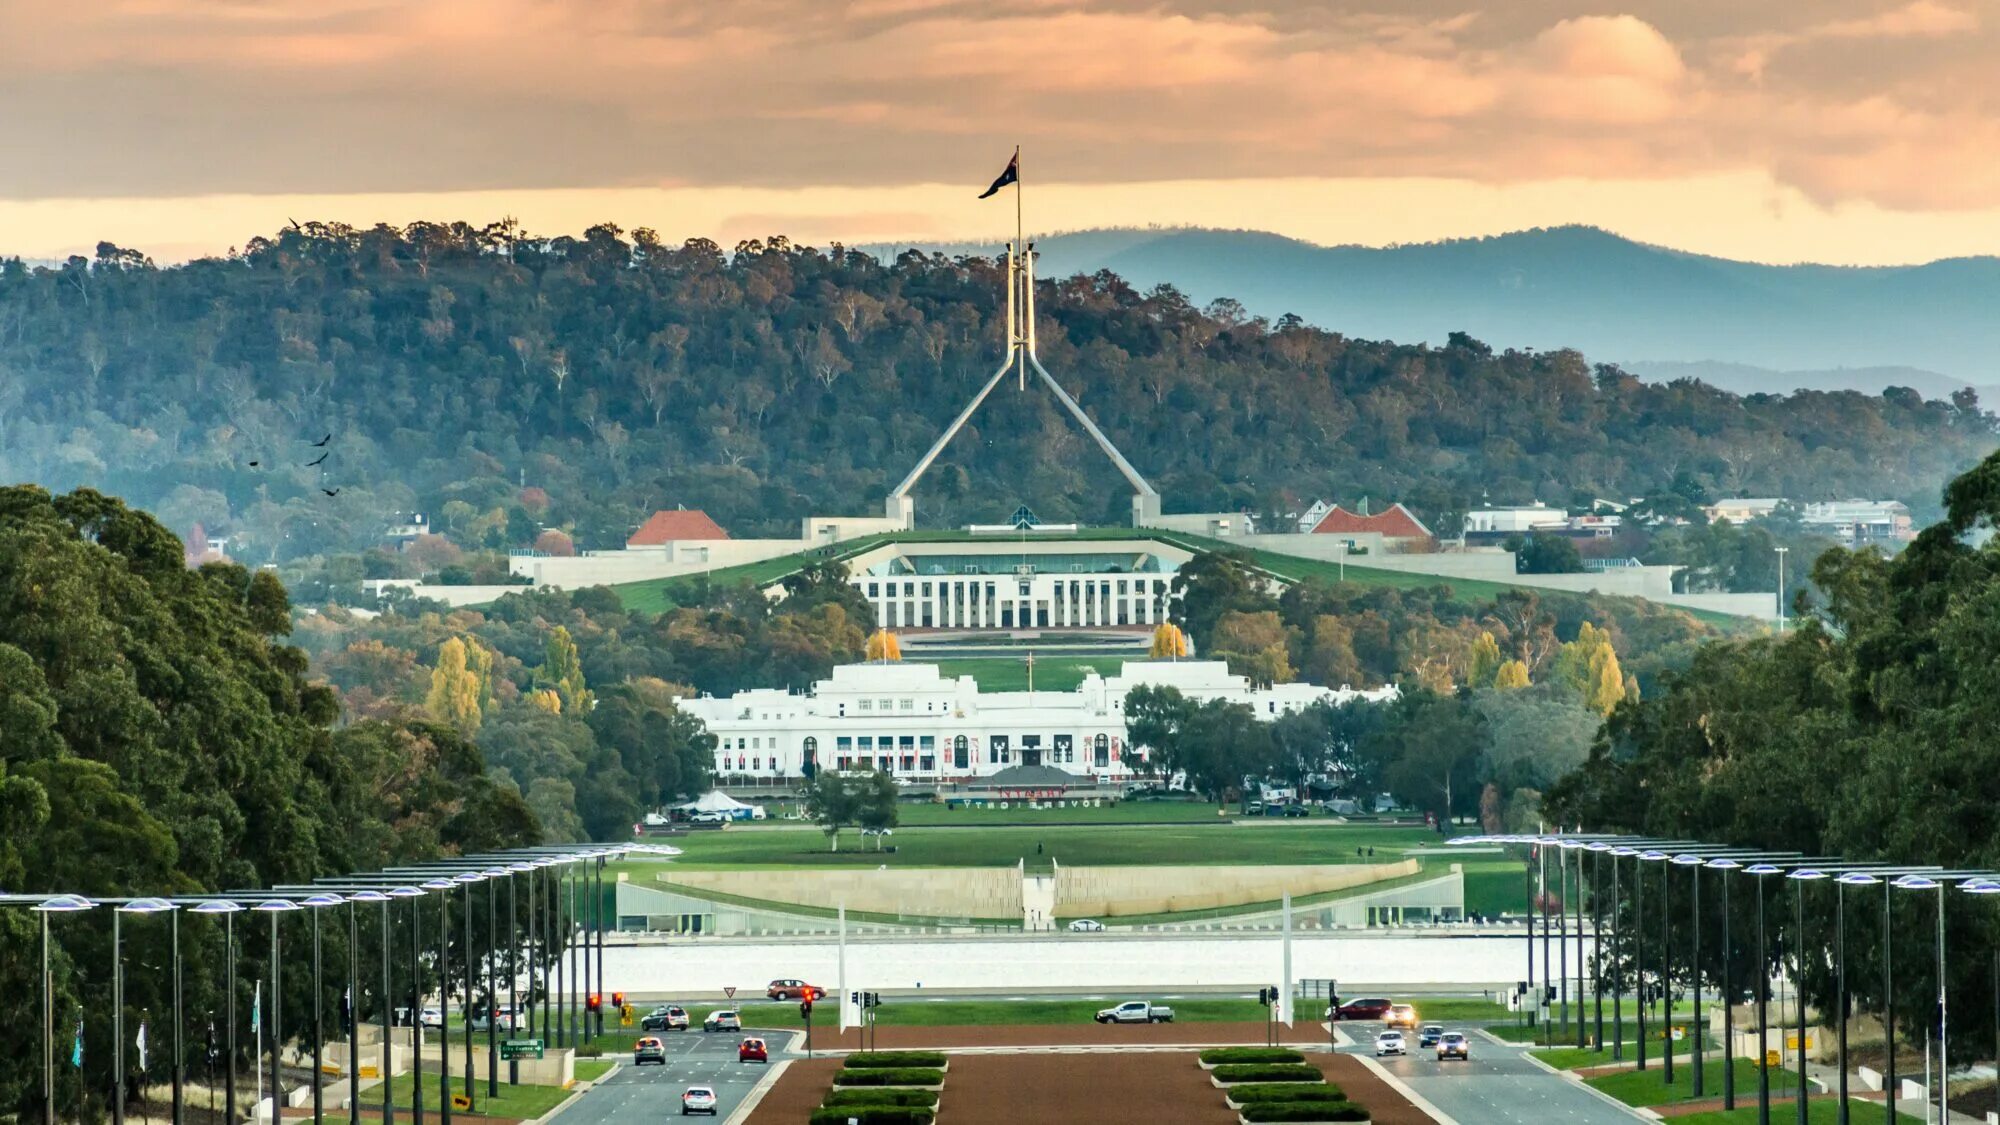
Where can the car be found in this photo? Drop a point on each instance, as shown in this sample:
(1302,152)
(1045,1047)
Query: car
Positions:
(698,1099)
(668,1017)
(753,1050)
(433,1017)
(793,990)
(1454,1045)
(722,1019)
(1136,1011)
(649,1050)
(1400,1015)
(1371,1008)
(505,1019)
(1254,808)
(1297,810)
(1086,926)
(708,818)
(1390,1043)
(1428,1037)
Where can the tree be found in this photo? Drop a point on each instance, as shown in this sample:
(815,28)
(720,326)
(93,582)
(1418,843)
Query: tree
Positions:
(1214,744)
(1169,643)
(1254,645)
(1542,553)
(1483,663)
(667,750)
(1511,676)
(835,800)
(1210,585)
(455,689)
(562,673)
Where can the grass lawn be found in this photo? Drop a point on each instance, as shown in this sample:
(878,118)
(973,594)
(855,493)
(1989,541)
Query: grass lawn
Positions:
(1080,845)
(1826,1112)
(1649,1087)
(514,1101)
(1576,1058)
(1566,1032)
(1493,886)
(590,1070)
(1124,812)
(1010,673)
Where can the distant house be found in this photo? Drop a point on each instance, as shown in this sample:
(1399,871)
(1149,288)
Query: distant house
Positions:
(406,528)
(1742,509)
(682,525)
(1394,524)
(1520,519)
(1857,523)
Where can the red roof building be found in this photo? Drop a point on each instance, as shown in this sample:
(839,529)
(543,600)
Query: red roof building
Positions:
(1395,522)
(677,526)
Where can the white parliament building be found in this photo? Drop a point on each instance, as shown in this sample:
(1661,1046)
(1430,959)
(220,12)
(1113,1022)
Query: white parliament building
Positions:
(909,721)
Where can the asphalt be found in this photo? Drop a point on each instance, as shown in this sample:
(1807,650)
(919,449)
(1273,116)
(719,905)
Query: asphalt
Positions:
(1498,1084)
(641,1095)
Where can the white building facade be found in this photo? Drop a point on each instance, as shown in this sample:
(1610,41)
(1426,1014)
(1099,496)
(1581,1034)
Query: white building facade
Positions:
(997,584)
(909,721)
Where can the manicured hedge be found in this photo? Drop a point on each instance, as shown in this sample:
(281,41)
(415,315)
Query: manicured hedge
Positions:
(877,1060)
(1296,1111)
(873,1115)
(890,1076)
(1285,1092)
(927,1099)
(1216,1056)
(1268,1072)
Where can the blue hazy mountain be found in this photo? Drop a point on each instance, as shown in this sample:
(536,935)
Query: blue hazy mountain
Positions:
(1612,298)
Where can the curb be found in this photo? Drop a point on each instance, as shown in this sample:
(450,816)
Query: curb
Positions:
(1403,1088)
(1642,1112)
(755,1097)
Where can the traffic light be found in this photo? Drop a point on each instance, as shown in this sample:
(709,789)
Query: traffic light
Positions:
(1267,996)
(618,1000)
(871,999)
(806,1009)
(593,1003)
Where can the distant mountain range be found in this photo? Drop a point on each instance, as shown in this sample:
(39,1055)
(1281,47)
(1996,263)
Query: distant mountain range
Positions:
(1660,313)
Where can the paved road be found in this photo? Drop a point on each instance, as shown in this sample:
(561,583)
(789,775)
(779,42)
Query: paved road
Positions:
(641,1095)
(1497,1084)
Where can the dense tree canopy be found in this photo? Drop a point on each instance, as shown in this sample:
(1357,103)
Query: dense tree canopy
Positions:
(506,384)
(1872,732)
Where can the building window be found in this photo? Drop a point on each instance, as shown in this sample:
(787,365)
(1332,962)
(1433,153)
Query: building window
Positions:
(927,764)
(996,750)
(908,704)
(867,743)
(842,745)
(908,763)
(959,749)
(926,743)
(873,590)
(811,754)
(886,706)
(906,743)
(1101,752)
(865,705)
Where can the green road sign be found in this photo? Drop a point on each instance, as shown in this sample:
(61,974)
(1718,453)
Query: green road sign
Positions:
(520,1049)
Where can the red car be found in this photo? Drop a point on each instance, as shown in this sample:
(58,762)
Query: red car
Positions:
(794,990)
(1373,1008)
(752,1050)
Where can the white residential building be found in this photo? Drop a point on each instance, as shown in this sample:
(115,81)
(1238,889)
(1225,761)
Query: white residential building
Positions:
(1521,518)
(917,725)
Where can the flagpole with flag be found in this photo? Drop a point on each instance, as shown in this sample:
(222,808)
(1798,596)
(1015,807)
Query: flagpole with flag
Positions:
(256,1036)
(139,1041)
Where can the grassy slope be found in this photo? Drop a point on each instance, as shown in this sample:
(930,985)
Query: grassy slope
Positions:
(1817,1113)
(1649,1087)
(1010,673)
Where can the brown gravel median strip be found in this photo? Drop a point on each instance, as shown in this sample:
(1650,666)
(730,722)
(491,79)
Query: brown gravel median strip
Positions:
(796,1094)
(1154,1088)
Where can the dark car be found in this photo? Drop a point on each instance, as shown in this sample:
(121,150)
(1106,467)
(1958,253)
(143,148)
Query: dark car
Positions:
(1370,1008)
(1429,1035)
(1297,810)
(671,1017)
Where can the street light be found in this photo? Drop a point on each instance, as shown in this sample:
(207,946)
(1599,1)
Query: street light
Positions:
(1846,880)
(59,904)
(1654,855)
(1986,887)
(1916,882)
(1781,601)
(444,995)
(1800,877)
(228,909)
(318,902)
(275,907)
(1618,967)
(129,906)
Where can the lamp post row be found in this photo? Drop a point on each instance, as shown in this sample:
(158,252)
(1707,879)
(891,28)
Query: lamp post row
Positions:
(1697,857)
(381,888)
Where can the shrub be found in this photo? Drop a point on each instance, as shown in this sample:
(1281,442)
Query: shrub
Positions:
(890,1076)
(875,1060)
(1216,1056)
(874,1115)
(1285,1092)
(1302,1111)
(1268,1072)
(921,1097)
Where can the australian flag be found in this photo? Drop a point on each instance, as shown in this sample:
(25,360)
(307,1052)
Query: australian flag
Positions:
(1011,176)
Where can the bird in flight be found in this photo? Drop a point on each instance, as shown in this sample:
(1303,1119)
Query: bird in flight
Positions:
(256,464)
(321,457)
(321,443)
(331,491)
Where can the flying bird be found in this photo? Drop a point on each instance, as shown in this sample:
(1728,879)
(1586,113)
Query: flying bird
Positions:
(331,491)
(322,457)
(321,443)
(256,464)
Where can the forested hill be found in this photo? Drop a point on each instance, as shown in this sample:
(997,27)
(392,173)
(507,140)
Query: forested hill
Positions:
(501,383)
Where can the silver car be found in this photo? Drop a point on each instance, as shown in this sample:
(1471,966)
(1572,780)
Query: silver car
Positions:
(1390,1043)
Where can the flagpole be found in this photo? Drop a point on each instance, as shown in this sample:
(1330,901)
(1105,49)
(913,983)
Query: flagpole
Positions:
(1019,235)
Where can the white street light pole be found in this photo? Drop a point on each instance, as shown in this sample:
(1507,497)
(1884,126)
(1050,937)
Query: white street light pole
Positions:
(1781,589)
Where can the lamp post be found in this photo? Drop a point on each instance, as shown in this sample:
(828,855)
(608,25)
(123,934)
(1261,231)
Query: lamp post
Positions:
(387,1000)
(1654,855)
(1916,882)
(1781,599)
(130,906)
(1989,887)
(57,904)
(275,907)
(1840,885)
(1800,877)
(1724,865)
(228,909)
(1759,870)
(492,981)
(1597,848)
(513,958)
(1618,962)
(465,882)
(318,902)
(1693,863)
(443,886)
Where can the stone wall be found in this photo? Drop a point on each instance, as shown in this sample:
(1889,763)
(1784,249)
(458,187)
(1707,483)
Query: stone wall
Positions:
(957,892)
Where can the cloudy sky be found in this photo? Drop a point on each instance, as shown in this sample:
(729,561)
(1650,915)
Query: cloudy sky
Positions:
(1780,130)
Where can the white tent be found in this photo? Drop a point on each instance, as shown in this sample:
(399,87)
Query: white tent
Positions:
(715,800)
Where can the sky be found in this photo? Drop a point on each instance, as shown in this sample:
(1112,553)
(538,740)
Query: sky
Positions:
(1847,131)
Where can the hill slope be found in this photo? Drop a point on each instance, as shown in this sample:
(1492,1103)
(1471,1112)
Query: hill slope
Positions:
(1612,298)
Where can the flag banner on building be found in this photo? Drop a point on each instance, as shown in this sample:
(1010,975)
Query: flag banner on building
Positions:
(257,1009)
(1011,176)
(76,1045)
(139,1041)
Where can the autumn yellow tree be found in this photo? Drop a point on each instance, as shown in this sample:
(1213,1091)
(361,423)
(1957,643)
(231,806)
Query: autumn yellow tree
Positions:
(455,689)
(1482,662)
(884,646)
(546,699)
(1169,642)
(479,662)
(1607,681)
(1511,676)
(1254,645)
(562,673)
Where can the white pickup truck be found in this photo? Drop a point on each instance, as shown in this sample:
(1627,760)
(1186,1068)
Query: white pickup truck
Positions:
(1136,1011)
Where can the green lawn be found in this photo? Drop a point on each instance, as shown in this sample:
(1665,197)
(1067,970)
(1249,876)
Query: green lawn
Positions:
(1010,673)
(1492,886)
(513,1101)
(1577,1058)
(1649,1087)
(1825,1111)
(590,1070)
(1082,845)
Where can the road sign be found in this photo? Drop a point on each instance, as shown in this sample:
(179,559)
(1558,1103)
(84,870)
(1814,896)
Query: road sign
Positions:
(1680,1033)
(460,1101)
(729,992)
(511,1049)
(1792,1042)
(1773,1058)
(370,1072)
(625,1016)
